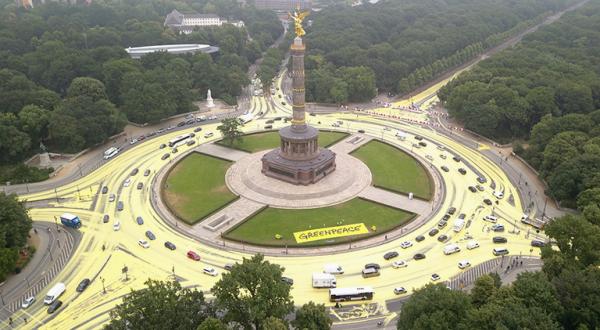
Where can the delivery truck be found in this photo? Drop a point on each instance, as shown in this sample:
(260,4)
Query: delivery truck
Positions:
(323,280)
(70,220)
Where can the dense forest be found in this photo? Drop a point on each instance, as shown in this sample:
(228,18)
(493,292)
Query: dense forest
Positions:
(66,80)
(546,90)
(395,46)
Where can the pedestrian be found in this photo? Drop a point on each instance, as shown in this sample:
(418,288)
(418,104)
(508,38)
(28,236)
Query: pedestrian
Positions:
(386,237)
(103,247)
(25,320)
(521,263)
(10,321)
(35,231)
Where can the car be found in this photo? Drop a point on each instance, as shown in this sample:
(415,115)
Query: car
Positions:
(174,150)
(537,243)
(165,156)
(54,306)
(212,117)
(193,255)
(361,131)
(442,223)
(120,206)
(399,264)
(197,129)
(162,146)
(104,189)
(190,143)
(419,256)
(283,103)
(462,171)
(414,145)
(423,144)
(127,182)
(435,277)
(139,220)
(464,264)
(268,126)
(462,216)
(143,243)
(161,130)
(181,123)
(133,141)
(490,218)
(418,137)
(141,138)
(441,147)
(420,238)
(390,255)
(170,245)
(481,179)
(498,194)
(208,134)
(443,238)
(28,302)
(442,156)
(140,186)
(451,210)
(372,265)
(433,232)
(446,217)
(497,227)
(146,172)
(192,135)
(270,121)
(210,271)
(456,159)
(472,245)
(83,285)
(134,172)
(480,187)
(150,235)
(190,121)
(500,251)
(499,239)
(406,244)
(287,280)
(116,225)
(487,201)
(399,290)
(312,114)
(430,157)
(228,267)
(445,168)
(105,218)
(112,198)
(472,189)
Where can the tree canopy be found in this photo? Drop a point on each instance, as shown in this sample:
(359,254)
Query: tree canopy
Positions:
(15,225)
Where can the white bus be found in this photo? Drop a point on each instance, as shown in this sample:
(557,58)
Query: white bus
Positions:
(180,140)
(110,152)
(348,294)
(246,118)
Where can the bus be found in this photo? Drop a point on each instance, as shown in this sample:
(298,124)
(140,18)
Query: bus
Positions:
(246,118)
(110,152)
(180,140)
(348,294)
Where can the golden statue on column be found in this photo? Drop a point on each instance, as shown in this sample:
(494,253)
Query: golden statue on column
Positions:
(298,17)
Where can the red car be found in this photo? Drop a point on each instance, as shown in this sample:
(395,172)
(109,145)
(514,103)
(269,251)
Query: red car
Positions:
(193,255)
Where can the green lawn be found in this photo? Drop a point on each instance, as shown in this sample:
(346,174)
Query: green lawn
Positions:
(196,187)
(395,170)
(270,140)
(262,228)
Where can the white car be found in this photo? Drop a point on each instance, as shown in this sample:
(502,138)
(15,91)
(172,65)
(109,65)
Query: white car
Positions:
(435,277)
(464,264)
(210,271)
(399,264)
(498,194)
(133,141)
(490,218)
(399,290)
(116,225)
(111,198)
(209,134)
(406,244)
(28,302)
(127,182)
(143,243)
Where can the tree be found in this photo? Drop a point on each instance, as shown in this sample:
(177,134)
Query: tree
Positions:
(13,144)
(251,292)
(230,129)
(162,305)
(312,317)
(211,323)
(15,225)
(34,121)
(88,87)
(273,323)
(482,291)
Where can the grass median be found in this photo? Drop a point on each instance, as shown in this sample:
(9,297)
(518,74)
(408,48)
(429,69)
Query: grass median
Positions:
(270,140)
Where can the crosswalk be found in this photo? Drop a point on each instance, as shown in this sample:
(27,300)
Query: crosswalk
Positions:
(499,265)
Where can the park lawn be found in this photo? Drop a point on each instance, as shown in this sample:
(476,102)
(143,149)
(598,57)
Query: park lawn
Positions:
(262,227)
(270,140)
(395,170)
(195,187)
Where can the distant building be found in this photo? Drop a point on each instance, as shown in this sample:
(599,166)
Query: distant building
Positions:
(137,52)
(283,5)
(185,23)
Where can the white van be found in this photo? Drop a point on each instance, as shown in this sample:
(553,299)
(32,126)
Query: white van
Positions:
(500,251)
(490,218)
(333,269)
(472,245)
(451,248)
(464,264)
(53,294)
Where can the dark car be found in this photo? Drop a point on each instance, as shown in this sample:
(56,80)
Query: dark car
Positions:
(499,239)
(419,256)
(170,245)
(150,235)
(472,189)
(139,220)
(446,217)
(537,243)
(134,172)
(181,123)
(312,114)
(268,126)
(197,129)
(481,179)
(193,255)
(287,280)
(165,156)
(190,142)
(372,265)
(83,285)
(442,238)
(445,168)
(487,201)
(451,210)
(423,144)
(105,218)
(462,171)
(190,121)
(140,186)
(162,146)
(456,159)
(390,255)
(146,172)
(361,131)
(228,267)
(104,189)
(54,306)
(418,137)
(270,121)
(277,118)
(433,232)
(174,150)
(120,206)
(420,238)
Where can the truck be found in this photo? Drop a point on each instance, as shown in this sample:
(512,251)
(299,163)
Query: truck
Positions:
(333,269)
(535,222)
(458,225)
(55,292)
(323,280)
(70,220)
(451,248)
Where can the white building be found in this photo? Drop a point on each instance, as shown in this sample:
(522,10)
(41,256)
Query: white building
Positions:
(185,23)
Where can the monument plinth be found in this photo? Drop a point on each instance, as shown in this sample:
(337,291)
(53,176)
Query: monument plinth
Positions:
(298,160)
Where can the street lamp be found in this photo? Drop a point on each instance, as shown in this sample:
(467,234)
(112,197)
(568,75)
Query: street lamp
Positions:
(2,298)
(56,223)
(103,287)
